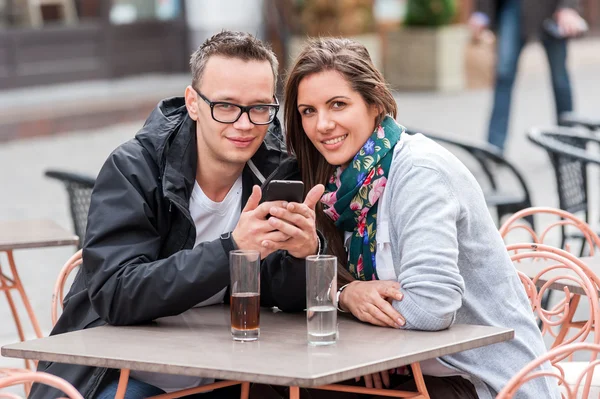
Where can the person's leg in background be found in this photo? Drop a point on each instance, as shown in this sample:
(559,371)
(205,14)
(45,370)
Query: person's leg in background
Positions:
(509,44)
(556,50)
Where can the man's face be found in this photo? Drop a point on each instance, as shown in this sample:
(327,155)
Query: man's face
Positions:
(235,81)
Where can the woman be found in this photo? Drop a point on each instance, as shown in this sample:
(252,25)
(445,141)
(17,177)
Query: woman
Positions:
(408,223)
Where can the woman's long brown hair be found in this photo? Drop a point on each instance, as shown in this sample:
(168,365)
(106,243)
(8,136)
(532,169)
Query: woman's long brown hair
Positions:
(351,59)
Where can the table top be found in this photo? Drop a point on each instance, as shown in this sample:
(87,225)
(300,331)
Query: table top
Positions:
(200,344)
(532,268)
(34,233)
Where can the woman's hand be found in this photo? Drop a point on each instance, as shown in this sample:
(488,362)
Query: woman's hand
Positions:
(370,301)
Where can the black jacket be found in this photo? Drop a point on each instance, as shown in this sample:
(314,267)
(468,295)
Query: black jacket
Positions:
(139,264)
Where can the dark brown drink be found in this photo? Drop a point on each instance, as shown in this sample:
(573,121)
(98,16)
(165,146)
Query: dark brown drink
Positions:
(245,315)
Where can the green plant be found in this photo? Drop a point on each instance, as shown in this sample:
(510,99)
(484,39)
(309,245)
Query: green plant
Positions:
(429,12)
(334,17)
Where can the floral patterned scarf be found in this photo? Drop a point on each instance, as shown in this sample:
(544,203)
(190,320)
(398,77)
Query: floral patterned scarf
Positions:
(351,196)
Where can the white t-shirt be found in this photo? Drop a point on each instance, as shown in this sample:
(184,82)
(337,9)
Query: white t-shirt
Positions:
(211,219)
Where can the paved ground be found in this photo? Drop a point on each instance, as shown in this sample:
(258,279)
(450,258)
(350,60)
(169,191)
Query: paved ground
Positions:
(27,194)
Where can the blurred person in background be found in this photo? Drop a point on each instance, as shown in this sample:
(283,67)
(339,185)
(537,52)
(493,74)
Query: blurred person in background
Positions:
(516,22)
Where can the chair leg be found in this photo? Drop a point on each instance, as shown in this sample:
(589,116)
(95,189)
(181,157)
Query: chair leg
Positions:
(245,390)
(19,287)
(419,380)
(6,287)
(122,387)
(294,393)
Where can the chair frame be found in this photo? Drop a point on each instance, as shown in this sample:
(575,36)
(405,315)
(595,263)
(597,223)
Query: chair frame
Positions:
(527,373)
(10,377)
(587,280)
(558,151)
(567,219)
(571,119)
(13,283)
(483,153)
(70,181)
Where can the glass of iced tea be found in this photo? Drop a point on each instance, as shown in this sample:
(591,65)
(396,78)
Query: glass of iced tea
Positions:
(321,306)
(244,302)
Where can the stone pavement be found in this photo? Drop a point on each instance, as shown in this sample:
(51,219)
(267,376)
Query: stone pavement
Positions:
(25,193)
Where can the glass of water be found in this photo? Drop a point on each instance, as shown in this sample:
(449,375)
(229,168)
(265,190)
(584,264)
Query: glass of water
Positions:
(321,289)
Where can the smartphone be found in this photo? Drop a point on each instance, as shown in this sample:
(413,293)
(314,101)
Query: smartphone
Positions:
(284,190)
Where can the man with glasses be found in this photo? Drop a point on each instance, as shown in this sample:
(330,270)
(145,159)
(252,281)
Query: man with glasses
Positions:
(170,204)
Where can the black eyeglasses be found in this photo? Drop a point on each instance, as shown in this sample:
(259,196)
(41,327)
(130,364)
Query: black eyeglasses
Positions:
(258,114)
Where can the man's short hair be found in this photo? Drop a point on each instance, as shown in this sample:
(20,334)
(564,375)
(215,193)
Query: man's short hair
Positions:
(231,44)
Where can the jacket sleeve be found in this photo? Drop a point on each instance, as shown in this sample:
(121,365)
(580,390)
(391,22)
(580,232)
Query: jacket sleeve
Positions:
(127,282)
(283,282)
(424,219)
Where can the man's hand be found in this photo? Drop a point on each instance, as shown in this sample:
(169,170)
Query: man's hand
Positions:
(298,222)
(376,380)
(370,301)
(253,228)
(570,22)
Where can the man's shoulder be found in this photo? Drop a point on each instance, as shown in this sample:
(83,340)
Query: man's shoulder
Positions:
(131,156)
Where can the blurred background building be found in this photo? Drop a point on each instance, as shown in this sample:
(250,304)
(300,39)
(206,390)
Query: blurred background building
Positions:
(53,43)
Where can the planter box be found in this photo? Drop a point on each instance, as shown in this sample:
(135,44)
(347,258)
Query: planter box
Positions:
(371,41)
(426,58)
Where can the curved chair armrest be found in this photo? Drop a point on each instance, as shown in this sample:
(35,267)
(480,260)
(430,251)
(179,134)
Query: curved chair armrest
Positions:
(63,176)
(546,138)
(478,150)
(573,119)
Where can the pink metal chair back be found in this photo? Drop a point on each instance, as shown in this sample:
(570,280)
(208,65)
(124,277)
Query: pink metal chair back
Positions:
(565,266)
(59,286)
(10,377)
(567,219)
(570,391)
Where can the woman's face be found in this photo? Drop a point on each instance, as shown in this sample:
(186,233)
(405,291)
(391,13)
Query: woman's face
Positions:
(335,118)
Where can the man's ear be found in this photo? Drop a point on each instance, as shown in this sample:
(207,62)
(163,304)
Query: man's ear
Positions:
(191,102)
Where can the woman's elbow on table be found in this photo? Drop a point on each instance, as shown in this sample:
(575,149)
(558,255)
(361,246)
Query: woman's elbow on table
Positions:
(427,314)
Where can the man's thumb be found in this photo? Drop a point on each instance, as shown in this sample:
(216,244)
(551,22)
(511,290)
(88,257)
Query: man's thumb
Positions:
(253,200)
(314,195)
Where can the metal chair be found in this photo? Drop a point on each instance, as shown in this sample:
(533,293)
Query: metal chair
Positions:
(566,219)
(79,189)
(562,314)
(571,119)
(59,286)
(567,149)
(491,161)
(560,317)
(570,386)
(10,377)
